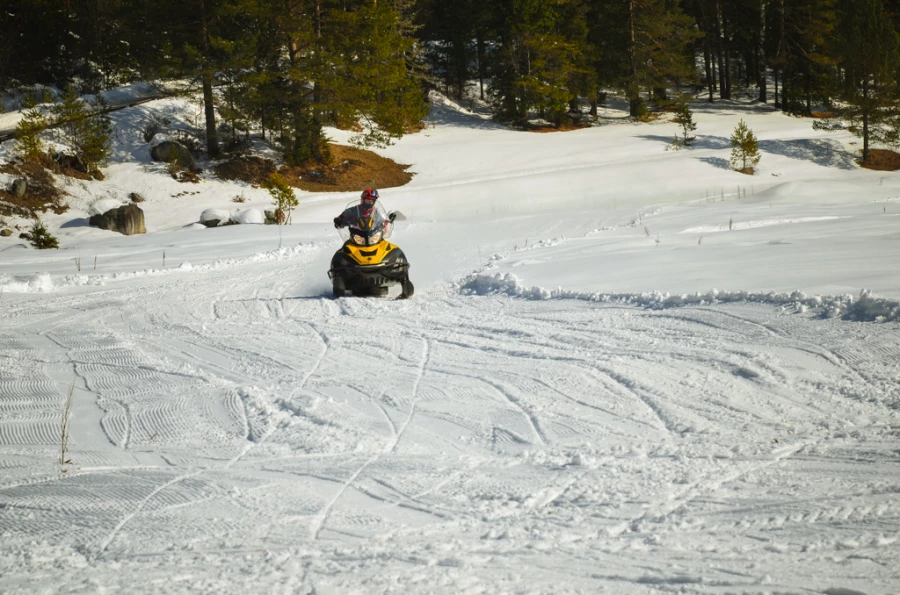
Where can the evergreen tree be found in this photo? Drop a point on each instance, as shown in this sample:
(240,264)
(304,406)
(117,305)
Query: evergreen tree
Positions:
(867,50)
(28,134)
(283,198)
(84,132)
(536,63)
(40,237)
(660,35)
(744,149)
(346,62)
(684,117)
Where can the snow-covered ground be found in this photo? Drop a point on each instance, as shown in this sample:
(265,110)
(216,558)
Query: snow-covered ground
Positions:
(625,370)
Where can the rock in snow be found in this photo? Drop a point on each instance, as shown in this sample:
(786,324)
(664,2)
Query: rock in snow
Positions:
(127,220)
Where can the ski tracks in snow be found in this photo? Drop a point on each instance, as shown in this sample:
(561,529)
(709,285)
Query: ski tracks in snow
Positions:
(571,427)
(319,521)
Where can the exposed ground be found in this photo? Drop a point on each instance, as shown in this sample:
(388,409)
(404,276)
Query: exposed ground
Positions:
(882,160)
(350,169)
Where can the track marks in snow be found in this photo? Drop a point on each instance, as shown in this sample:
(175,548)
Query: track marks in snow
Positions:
(320,519)
(140,506)
(604,434)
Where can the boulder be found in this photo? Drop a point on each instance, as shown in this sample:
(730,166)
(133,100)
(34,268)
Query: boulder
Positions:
(171,150)
(215,217)
(18,187)
(127,220)
(5,233)
(135,197)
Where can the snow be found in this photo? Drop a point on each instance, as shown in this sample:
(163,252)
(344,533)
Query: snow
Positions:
(625,370)
(220,215)
(99,207)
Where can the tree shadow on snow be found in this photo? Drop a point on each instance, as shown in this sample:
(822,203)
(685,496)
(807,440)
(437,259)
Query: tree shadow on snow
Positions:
(716,162)
(702,141)
(824,152)
(448,114)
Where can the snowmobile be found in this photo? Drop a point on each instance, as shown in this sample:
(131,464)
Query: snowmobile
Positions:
(367,264)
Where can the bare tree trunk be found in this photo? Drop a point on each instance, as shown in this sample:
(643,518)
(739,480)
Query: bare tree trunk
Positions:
(761,54)
(209,108)
(775,72)
(634,101)
(726,50)
(808,90)
(479,36)
(707,62)
(865,115)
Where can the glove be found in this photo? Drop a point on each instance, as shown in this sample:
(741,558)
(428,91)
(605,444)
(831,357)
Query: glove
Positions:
(337,222)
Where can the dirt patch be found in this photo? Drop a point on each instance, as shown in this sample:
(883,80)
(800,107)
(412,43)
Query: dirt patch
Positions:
(351,169)
(254,170)
(882,160)
(41,193)
(568,127)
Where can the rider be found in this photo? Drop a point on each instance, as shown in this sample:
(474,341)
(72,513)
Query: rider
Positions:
(366,208)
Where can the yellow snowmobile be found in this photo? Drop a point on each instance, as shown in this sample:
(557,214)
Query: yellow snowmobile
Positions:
(367,264)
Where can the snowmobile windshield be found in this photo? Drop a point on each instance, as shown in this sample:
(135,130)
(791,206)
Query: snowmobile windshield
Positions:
(366,226)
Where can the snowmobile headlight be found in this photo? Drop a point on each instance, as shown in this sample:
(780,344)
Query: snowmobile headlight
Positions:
(359,240)
(374,238)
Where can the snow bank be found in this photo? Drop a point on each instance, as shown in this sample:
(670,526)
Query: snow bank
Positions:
(249,217)
(223,216)
(98,207)
(44,283)
(866,307)
(39,283)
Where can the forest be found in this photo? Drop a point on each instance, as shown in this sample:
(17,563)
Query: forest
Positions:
(288,68)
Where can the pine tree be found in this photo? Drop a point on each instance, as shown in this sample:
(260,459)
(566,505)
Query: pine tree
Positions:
(684,117)
(40,237)
(346,62)
(536,63)
(28,134)
(660,35)
(867,49)
(283,198)
(86,133)
(744,149)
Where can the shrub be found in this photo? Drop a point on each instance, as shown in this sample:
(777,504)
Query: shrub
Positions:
(744,149)
(283,197)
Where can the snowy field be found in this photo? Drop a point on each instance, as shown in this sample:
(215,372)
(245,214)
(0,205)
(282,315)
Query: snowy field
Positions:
(625,370)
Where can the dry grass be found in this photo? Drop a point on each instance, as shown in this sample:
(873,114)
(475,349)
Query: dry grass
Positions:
(824,115)
(566,127)
(254,170)
(41,194)
(64,428)
(882,160)
(351,169)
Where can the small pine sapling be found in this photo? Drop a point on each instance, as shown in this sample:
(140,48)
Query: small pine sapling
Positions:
(28,134)
(684,117)
(744,149)
(283,198)
(86,133)
(40,237)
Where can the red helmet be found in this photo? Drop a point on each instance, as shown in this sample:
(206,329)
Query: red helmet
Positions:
(369,194)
